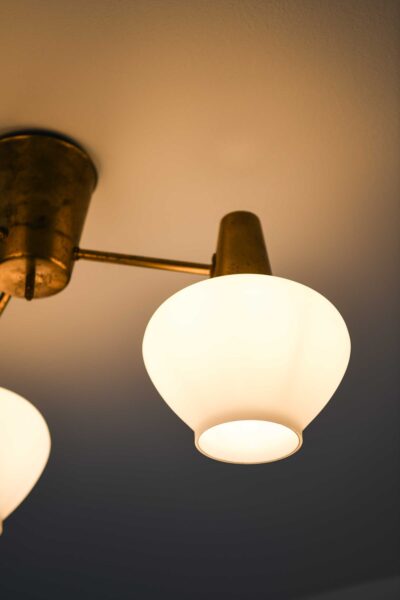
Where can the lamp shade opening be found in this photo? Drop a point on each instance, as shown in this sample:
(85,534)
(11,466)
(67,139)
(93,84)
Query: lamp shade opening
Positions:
(247,361)
(248,441)
(24,450)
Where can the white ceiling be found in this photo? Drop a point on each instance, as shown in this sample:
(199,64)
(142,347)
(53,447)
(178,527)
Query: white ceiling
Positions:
(192,109)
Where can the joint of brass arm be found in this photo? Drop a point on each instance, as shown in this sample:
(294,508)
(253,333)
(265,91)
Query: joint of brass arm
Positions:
(4,300)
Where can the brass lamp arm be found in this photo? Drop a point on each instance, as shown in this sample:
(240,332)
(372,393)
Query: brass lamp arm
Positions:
(240,249)
(143,261)
(46,182)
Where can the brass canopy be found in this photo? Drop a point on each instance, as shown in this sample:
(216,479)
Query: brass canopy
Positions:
(46,183)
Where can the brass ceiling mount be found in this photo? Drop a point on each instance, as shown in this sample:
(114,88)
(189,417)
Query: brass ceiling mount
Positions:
(46,182)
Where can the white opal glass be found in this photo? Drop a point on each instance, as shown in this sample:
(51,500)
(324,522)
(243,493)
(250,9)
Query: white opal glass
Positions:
(247,361)
(24,450)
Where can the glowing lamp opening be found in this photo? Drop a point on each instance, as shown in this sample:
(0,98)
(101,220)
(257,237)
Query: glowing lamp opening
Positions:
(248,441)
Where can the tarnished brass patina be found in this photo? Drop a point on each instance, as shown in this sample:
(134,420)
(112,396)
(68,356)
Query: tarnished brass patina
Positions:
(241,247)
(46,183)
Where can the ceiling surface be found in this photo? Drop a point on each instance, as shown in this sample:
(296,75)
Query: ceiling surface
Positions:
(192,109)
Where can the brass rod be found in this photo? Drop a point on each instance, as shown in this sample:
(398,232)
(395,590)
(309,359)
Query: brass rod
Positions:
(4,300)
(143,261)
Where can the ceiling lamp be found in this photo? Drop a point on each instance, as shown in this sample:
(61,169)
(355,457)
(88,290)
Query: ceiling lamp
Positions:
(24,450)
(246,359)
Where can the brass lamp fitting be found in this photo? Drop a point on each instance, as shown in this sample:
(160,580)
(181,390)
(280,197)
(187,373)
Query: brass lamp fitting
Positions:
(46,183)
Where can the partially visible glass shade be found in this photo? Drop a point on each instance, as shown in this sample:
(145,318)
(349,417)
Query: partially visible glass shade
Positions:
(247,361)
(24,450)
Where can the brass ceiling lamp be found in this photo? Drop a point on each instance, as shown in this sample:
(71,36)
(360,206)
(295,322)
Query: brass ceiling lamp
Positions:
(244,358)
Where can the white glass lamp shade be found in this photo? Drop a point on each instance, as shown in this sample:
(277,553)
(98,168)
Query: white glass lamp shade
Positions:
(247,361)
(24,450)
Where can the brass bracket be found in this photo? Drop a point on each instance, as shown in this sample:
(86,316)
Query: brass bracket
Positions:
(46,183)
(241,249)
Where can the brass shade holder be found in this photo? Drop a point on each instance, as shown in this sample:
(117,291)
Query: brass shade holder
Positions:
(46,183)
(241,247)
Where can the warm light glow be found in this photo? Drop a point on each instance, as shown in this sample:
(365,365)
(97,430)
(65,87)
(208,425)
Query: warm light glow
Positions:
(24,450)
(247,361)
(248,441)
